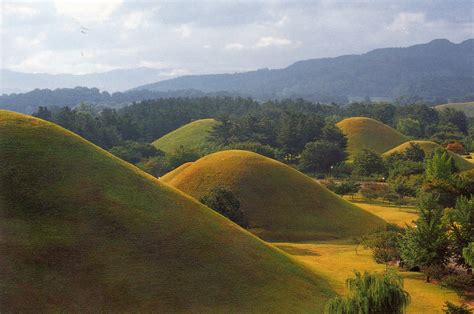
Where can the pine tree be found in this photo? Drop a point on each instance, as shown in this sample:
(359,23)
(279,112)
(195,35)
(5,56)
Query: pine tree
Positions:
(426,244)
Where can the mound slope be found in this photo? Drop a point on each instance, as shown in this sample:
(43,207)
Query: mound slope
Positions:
(281,203)
(467,107)
(83,231)
(192,136)
(366,133)
(428,147)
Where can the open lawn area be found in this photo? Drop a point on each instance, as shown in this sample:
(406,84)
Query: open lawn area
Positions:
(399,215)
(336,262)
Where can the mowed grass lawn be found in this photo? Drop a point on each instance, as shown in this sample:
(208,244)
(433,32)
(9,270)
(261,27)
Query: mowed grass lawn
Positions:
(336,262)
(400,216)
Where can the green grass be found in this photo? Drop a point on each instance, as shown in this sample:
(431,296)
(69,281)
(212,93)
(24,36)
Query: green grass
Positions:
(467,107)
(366,133)
(428,147)
(281,203)
(391,213)
(192,136)
(83,231)
(336,262)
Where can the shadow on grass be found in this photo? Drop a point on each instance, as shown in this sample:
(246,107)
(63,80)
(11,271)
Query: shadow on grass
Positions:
(297,251)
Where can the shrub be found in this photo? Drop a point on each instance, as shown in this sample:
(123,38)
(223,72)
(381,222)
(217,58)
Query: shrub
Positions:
(451,308)
(371,293)
(224,202)
(458,282)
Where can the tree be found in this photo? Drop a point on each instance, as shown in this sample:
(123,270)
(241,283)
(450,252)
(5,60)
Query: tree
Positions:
(371,294)
(384,244)
(426,244)
(344,188)
(224,202)
(410,127)
(43,113)
(468,254)
(439,166)
(457,147)
(414,153)
(451,308)
(134,152)
(320,156)
(367,163)
(455,117)
(460,221)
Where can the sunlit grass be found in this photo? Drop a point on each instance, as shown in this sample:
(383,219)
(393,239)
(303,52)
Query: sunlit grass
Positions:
(336,262)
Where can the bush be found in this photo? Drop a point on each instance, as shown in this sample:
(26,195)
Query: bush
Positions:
(134,152)
(224,202)
(368,163)
(380,293)
(459,282)
(451,308)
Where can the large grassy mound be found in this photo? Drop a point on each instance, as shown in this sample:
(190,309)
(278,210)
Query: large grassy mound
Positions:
(193,135)
(428,147)
(367,133)
(467,107)
(83,231)
(280,202)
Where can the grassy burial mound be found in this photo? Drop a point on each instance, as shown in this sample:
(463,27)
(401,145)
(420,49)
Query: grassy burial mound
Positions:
(428,147)
(191,136)
(83,231)
(466,107)
(280,203)
(366,133)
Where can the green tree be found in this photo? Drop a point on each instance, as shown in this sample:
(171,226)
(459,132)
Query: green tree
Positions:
(451,308)
(439,166)
(455,117)
(320,156)
(135,152)
(468,254)
(367,163)
(371,294)
(460,221)
(224,202)
(43,113)
(410,127)
(414,153)
(426,244)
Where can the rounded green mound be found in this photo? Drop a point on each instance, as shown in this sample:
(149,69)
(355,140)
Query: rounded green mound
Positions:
(83,231)
(466,107)
(366,133)
(428,147)
(281,203)
(192,136)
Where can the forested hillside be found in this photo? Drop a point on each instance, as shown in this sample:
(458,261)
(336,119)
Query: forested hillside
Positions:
(437,70)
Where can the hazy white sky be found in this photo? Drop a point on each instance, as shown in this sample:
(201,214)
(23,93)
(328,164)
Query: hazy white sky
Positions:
(214,36)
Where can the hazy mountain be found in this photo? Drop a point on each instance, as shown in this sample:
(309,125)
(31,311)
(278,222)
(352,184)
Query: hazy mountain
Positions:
(438,69)
(30,101)
(115,80)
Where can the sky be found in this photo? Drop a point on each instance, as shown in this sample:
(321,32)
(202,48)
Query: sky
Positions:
(196,37)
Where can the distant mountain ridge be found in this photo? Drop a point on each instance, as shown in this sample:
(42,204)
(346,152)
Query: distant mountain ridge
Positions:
(112,81)
(438,69)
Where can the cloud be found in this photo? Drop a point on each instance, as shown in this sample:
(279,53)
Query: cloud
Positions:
(18,10)
(87,10)
(214,36)
(184,30)
(269,41)
(405,21)
(135,20)
(234,46)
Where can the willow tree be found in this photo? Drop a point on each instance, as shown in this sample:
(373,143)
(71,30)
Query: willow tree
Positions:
(371,293)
